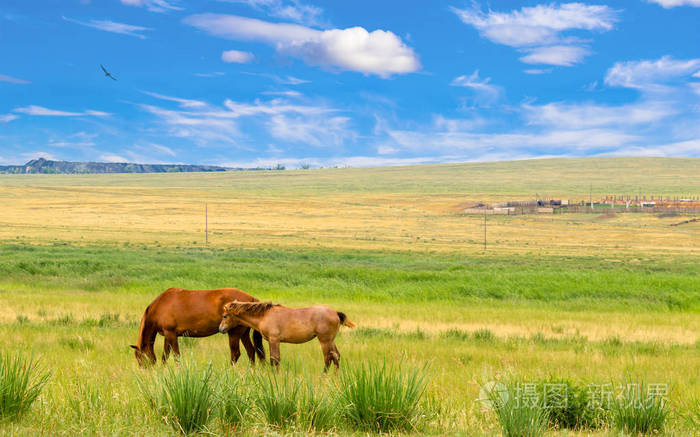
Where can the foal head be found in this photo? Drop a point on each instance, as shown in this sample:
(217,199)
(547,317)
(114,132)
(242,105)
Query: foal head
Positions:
(233,310)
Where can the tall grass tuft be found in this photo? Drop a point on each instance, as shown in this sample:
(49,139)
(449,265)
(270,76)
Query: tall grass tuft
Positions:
(184,395)
(382,398)
(640,409)
(277,396)
(517,417)
(234,399)
(21,382)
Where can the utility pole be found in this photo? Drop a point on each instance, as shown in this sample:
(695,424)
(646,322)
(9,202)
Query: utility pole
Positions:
(590,196)
(206,224)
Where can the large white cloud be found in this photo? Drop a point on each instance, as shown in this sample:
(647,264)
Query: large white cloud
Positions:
(354,49)
(538,30)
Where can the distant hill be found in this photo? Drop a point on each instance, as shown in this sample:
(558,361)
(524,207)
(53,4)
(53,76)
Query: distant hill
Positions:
(46,166)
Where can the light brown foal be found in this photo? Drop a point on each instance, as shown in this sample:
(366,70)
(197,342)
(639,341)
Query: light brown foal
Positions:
(279,324)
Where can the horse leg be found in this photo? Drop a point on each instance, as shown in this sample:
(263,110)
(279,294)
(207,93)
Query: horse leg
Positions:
(327,349)
(166,348)
(169,344)
(274,352)
(248,345)
(335,353)
(233,338)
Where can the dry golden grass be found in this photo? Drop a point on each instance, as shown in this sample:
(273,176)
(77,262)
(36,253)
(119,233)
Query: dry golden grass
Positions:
(245,212)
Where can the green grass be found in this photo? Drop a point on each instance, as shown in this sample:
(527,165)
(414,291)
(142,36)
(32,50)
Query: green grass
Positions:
(567,282)
(21,382)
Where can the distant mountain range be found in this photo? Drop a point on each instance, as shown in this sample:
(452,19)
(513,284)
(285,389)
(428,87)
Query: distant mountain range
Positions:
(46,166)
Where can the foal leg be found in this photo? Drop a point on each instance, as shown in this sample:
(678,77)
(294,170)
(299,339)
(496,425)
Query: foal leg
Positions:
(233,337)
(274,352)
(248,345)
(336,355)
(327,349)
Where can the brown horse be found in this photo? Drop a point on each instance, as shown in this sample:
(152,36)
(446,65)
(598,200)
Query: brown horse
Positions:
(193,313)
(289,325)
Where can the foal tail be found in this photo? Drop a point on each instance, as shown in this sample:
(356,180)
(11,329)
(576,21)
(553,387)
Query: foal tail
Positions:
(345,321)
(258,345)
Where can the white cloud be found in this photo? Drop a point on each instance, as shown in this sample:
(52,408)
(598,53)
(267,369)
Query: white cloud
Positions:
(6,118)
(213,74)
(539,29)
(152,5)
(292,10)
(185,103)
(41,111)
(355,49)
(590,115)
(203,129)
(285,93)
(10,79)
(650,75)
(111,26)
(538,70)
(237,56)
(561,55)
(272,107)
(485,91)
(314,131)
(673,3)
(163,149)
(689,148)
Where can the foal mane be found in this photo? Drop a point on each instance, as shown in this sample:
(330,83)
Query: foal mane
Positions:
(252,308)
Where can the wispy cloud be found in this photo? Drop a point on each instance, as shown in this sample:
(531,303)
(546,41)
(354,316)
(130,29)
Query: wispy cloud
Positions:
(185,103)
(6,118)
(113,27)
(652,75)
(237,56)
(287,80)
(153,5)
(10,79)
(538,30)
(41,111)
(290,10)
(562,55)
(353,49)
(674,3)
(213,74)
(485,91)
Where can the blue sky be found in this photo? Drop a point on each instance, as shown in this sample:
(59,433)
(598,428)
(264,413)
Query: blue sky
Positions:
(260,82)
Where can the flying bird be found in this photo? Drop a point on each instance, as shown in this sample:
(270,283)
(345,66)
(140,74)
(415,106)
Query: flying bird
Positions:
(107,73)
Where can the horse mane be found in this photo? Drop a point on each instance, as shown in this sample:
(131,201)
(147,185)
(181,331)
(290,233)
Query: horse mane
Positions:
(252,308)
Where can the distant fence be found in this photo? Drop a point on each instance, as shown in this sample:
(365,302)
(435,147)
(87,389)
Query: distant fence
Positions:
(601,209)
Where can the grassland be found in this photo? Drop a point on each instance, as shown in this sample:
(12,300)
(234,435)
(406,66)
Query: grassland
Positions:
(594,300)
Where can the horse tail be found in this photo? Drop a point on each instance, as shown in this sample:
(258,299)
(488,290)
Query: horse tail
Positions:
(345,321)
(258,344)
